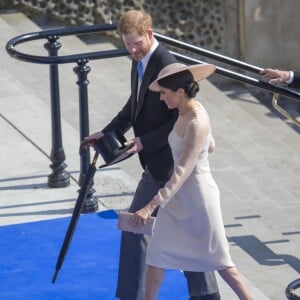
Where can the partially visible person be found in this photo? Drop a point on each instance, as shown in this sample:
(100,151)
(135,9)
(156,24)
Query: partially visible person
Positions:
(189,233)
(275,76)
(152,122)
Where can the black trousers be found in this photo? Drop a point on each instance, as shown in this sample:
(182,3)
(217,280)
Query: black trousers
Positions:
(202,285)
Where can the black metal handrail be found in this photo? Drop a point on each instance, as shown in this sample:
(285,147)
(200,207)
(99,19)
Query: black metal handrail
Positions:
(59,177)
(79,30)
(243,78)
(207,53)
(56,33)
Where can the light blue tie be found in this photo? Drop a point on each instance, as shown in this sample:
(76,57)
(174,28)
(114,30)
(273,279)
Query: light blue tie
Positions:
(140,70)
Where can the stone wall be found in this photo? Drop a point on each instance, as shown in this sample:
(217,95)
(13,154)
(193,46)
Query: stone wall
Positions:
(194,21)
(271,33)
(259,32)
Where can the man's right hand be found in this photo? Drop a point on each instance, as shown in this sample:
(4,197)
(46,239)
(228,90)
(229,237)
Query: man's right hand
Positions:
(89,141)
(275,76)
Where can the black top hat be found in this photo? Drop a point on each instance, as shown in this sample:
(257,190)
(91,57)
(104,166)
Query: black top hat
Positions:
(111,147)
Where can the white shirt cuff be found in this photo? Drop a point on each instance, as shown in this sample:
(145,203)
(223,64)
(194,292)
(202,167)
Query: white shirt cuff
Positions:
(291,78)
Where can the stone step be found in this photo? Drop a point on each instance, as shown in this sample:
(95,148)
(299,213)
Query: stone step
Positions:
(112,92)
(244,149)
(30,117)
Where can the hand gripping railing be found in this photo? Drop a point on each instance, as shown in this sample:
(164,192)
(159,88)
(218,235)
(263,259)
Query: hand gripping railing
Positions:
(59,177)
(276,89)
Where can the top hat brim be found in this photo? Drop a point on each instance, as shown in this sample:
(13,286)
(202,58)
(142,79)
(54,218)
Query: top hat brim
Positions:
(121,156)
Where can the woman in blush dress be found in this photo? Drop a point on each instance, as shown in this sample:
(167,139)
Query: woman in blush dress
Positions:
(189,233)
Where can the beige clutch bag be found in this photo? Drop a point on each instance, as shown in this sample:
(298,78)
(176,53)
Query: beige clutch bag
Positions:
(123,224)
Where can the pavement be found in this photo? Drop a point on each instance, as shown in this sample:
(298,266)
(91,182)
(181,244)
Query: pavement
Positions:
(256,163)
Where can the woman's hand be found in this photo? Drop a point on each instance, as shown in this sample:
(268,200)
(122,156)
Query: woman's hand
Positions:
(140,217)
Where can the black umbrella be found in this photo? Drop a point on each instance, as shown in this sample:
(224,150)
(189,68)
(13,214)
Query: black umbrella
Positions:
(75,216)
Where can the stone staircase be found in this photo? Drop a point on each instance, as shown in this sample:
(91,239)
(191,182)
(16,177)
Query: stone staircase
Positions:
(256,163)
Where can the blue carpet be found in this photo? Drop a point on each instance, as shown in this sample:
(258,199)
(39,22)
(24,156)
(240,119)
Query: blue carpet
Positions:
(29,253)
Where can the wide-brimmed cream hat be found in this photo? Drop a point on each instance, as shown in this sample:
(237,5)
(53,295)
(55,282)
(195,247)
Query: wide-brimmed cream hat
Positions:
(199,71)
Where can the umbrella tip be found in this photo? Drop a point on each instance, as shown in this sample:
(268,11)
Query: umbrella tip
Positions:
(54,276)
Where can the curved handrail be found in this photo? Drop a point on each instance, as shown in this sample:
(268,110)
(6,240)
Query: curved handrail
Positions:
(290,290)
(63,59)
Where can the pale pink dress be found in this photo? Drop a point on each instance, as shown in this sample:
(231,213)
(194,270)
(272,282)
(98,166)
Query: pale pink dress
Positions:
(189,232)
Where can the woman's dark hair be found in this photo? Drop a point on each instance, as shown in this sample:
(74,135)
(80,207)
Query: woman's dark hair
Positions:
(184,80)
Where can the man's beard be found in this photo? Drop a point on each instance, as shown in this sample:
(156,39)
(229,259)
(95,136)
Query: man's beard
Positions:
(143,53)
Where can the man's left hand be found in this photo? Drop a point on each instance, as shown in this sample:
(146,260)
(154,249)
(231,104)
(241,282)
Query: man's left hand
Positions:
(137,145)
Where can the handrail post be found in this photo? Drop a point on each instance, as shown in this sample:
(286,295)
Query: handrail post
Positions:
(59,177)
(90,203)
(283,111)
